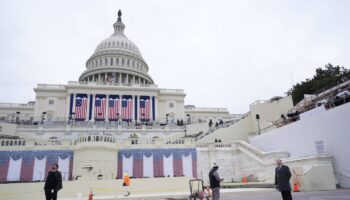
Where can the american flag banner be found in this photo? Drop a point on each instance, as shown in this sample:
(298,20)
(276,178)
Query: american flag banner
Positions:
(100,108)
(127,108)
(145,108)
(113,108)
(80,108)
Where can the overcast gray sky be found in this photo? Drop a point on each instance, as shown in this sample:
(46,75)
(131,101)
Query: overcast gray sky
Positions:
(222,53)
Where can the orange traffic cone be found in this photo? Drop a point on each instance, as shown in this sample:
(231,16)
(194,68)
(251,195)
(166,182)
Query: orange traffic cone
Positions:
(244,179)
(296,188)
(91,195)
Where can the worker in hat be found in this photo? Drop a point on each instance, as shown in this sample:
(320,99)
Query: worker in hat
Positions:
(126,183)
(215,180)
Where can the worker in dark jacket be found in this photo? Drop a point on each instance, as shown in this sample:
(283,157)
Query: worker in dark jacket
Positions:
(215,182)
(282,177)
(53,183)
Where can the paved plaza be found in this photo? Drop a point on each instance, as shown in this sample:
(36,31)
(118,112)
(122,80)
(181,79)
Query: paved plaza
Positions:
(339,194)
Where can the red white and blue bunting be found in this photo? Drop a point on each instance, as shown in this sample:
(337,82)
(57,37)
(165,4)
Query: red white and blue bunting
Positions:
(27,166)
(147,163)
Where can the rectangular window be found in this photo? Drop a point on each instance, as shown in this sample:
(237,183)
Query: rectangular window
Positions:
(117,61)
(51,102)
(111,61)
(123,61)
(106,61)
(127,62)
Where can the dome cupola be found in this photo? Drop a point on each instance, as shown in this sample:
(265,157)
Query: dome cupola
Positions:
(117,60)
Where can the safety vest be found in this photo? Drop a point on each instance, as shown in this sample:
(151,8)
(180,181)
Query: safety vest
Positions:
(126,180)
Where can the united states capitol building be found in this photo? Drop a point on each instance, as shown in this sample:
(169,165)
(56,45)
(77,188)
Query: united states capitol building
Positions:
(115,119)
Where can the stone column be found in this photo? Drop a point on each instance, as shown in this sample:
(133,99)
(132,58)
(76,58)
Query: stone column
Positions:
(99,77)
(68,106)
(120,78)
(88,107)
(156,114)
(120,107)
(93,108)
(106,110)
(127,79)
(151,108)
(138,108)
(74,100)
(133,79)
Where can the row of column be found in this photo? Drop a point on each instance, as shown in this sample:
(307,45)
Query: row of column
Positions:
(133,78)
(90,113)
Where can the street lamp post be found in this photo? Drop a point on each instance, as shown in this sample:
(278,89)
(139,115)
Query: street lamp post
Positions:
(257,116)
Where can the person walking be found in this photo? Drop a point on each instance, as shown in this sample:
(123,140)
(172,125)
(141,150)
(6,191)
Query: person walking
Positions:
(282,177)
(53,183)
(215,180)
(126,183)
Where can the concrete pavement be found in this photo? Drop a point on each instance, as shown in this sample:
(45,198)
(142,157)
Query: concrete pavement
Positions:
(241,194)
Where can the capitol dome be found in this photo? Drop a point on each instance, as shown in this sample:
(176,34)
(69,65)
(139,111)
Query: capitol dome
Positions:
(117,60)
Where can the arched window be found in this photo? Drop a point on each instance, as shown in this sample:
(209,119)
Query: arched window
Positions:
(89,138)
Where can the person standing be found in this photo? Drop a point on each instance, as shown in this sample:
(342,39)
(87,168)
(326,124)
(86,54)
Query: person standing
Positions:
(215,180)
(126,183)
(53,183)
(282,177)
